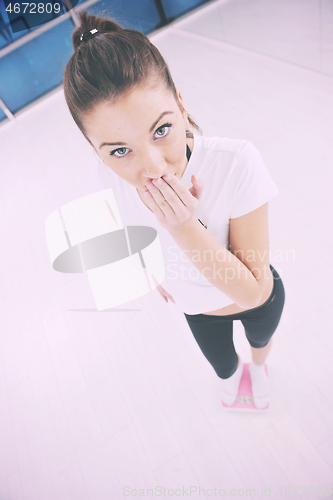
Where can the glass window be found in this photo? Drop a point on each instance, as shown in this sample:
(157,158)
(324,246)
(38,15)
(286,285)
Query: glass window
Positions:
(140,15)
(174,8)
(36,67)
(2,115)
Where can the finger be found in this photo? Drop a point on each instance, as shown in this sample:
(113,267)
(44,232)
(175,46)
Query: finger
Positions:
(176,195)
(176,186)
(158,191)
(197,182)
(197,189)
(152,204)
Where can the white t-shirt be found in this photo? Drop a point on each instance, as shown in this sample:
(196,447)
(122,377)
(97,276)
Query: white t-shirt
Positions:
(236,183)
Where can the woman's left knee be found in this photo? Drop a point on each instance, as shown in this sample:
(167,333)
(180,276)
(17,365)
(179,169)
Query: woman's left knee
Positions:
(260,346)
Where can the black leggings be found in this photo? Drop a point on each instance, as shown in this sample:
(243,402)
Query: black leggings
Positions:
(214,334)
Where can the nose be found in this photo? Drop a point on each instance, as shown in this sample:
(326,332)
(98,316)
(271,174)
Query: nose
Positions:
(153,164)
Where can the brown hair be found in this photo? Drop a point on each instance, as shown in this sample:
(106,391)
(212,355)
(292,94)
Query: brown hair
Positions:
(109,63)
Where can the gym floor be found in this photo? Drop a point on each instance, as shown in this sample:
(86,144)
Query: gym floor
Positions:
(98,405)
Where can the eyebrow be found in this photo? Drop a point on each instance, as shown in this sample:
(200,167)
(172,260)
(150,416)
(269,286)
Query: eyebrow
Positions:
(150,130)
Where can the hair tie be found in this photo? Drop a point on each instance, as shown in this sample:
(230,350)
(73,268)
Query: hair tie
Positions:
(88,34)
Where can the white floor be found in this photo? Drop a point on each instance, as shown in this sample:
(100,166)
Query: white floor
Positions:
(96,406)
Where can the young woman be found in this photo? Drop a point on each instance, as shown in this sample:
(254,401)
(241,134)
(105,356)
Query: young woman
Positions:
(207,197)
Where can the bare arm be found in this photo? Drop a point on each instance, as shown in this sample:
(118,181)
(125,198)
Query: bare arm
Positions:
(243,277)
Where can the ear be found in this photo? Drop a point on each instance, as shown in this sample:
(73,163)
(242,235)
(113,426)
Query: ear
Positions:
(182,108)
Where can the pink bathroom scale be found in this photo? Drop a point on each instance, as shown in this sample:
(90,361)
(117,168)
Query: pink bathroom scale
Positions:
(244,401)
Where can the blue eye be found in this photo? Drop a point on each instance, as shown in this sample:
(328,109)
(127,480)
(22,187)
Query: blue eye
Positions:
(161,132)
(165,127)
(117,151)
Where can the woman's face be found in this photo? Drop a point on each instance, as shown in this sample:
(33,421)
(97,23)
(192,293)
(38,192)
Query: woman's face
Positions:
(141,136)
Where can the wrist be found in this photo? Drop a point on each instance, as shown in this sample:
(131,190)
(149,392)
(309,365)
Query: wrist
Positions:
(188,226)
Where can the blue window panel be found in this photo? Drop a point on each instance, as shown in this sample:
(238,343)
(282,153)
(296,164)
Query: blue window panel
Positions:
(174,8)
(37,67)
(2,115)
(139,15)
